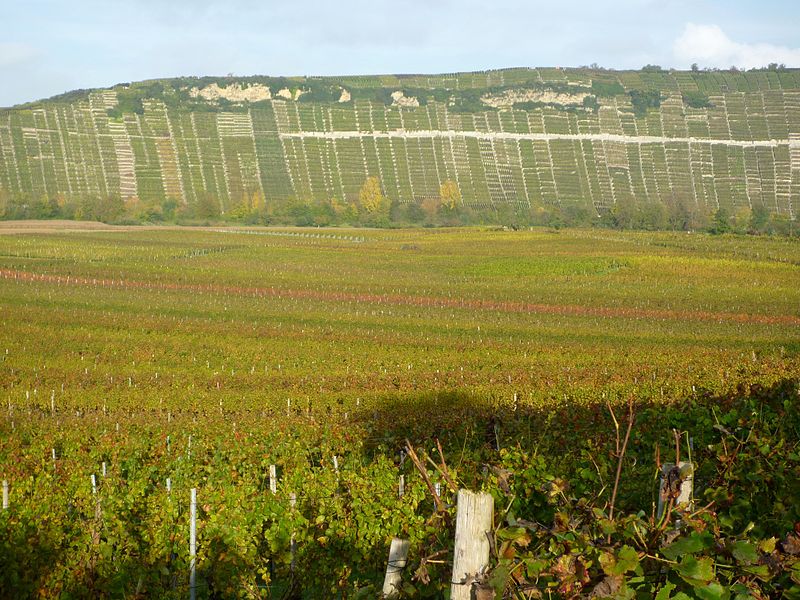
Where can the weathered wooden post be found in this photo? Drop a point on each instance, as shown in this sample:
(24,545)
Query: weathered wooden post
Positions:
(398,558)
(5,494)
(471,552)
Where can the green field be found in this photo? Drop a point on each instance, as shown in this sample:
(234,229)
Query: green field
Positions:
(205,356)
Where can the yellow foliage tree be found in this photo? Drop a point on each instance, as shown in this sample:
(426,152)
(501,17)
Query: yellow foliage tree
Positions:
(257,201)
(339,208)
(449,194)
(371,196)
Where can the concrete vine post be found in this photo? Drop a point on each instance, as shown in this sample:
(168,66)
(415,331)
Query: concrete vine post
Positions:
(192,544)
(398,558)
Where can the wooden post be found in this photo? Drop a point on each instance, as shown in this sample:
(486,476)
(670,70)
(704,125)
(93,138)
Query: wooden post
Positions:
(169,486)
(54,458)
(104,468)
(192,543)
(401,486)
(273,479)
(471,552)
(398,557)
(5,494)
(94,485)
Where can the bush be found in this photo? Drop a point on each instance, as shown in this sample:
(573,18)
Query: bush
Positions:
(697,99)
(644,100)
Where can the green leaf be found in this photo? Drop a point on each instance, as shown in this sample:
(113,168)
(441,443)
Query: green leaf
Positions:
(760,571)
(713,591)
(744,552)
(664,592)
(499,578)
(535,567)
(695,571)
(511,533)
(625,560)
(696,542)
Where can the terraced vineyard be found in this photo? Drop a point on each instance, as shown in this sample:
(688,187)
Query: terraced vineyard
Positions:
(518,137)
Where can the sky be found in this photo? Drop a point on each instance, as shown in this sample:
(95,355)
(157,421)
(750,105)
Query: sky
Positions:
(48,47)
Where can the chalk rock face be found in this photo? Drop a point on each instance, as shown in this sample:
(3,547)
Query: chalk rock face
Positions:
(400,99)
(234,92)
(508,98)
(345,97)
(286,94)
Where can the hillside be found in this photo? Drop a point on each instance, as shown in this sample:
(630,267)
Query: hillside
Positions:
(518,138)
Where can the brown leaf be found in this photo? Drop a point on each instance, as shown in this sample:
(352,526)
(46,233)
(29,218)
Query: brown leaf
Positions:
(484,592)
(791,545)
(608,587)
(422,575)
(503,476)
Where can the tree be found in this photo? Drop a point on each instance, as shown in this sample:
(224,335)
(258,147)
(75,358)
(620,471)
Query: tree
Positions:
(449,194)
(430,206)
(207,206)
(695,68)
(5,202)
(625,213)
(721,222)
(654,216)
(168,208)
(371,197)
(759,220)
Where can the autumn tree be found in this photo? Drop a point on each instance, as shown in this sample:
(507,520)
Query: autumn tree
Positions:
(449,194)
(371,197)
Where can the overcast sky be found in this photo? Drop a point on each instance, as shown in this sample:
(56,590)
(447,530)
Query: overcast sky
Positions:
(50,46)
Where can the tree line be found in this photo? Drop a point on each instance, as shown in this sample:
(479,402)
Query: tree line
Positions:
(372,208)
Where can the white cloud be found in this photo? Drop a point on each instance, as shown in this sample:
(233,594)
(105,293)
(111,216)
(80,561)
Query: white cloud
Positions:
(12,54)
(709,46)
